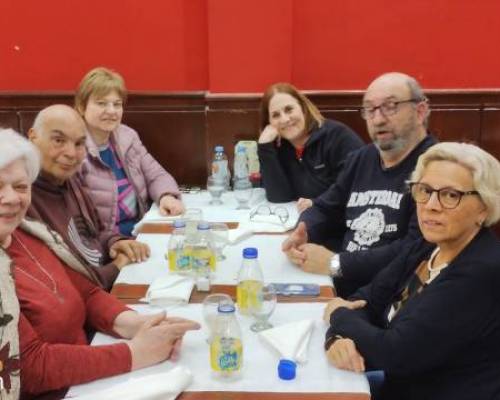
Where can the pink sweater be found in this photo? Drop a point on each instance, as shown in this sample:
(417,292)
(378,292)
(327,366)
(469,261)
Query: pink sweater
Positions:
(54,350)
(149,179)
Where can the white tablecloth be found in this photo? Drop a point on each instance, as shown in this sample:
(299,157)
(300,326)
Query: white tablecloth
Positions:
(274,264)
(226,212)
(260,362)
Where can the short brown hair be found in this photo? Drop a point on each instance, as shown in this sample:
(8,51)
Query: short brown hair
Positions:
(312,116)
(99,81)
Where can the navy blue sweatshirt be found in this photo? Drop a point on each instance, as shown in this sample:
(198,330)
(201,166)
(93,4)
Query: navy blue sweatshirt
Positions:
(373,210)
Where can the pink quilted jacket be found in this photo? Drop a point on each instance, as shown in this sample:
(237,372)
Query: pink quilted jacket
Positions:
(148,177)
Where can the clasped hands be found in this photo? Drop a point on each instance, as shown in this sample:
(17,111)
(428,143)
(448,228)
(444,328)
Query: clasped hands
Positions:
(309,257)
(343,353)
(127,251)
(154,338)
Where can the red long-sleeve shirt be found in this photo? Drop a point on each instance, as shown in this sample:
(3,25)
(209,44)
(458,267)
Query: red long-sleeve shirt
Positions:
(54,349)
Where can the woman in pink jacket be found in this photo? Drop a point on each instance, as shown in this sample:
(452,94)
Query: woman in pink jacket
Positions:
(117,159)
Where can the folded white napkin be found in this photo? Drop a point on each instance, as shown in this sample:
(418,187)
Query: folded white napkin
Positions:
(168,290)
(164,386)
(290,340)
(154,216)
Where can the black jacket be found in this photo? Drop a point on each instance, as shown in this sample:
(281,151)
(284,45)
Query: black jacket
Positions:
(286,178)
(444,342)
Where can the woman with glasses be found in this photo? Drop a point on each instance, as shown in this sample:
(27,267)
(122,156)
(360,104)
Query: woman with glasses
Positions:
(300,152)
(431,319)
(123,178)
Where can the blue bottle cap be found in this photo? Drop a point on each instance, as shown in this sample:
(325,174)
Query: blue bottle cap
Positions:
(287,369)
(203,226)
(179,223)
(219,149)
(250,252)
(226,308)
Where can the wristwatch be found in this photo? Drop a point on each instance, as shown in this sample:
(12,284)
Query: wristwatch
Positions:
(335,269)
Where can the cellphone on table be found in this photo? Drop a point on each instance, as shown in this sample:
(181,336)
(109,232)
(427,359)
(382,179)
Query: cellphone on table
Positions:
(296,289)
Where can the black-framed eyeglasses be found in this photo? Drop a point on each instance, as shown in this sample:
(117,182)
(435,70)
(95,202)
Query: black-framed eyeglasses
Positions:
(264,209)
(387,108)
(449,198)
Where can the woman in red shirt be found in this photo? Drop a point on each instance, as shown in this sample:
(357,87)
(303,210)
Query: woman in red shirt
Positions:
(57,301)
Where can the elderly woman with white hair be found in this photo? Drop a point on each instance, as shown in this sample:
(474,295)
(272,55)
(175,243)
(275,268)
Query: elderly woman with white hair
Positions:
(431,319)
(56,300)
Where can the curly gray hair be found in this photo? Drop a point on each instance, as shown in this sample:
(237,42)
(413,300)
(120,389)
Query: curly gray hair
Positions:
(14,146)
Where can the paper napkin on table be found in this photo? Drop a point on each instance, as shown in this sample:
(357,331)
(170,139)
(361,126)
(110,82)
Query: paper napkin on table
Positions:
(164,386)
(154,216)
(290,340)
(168,290)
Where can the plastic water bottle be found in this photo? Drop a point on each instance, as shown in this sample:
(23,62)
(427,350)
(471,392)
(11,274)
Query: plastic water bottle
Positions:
(220,167)
(226,347)
(203,257)
(241,164)
(179,259)
(250,282)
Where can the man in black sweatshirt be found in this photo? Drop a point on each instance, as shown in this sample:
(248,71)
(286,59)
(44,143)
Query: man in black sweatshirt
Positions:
(369,204)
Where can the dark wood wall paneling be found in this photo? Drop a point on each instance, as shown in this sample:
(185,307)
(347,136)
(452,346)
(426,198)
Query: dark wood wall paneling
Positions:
(181,129)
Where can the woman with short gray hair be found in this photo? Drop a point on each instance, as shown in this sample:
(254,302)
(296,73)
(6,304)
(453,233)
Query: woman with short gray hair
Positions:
(430,320)
(42,336)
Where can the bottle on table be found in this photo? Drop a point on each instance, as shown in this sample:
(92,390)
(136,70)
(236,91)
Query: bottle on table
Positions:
(241,164)
(202,254)
(179,257)
(226,347)
(250,282)
(220,166)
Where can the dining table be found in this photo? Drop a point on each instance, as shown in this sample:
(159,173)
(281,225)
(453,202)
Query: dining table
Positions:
(316,379)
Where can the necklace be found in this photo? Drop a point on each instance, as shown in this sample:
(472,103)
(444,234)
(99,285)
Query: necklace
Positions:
(53,287)
(434,271)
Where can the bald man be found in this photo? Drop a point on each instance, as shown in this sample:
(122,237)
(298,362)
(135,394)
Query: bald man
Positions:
(370,204)
(59,198)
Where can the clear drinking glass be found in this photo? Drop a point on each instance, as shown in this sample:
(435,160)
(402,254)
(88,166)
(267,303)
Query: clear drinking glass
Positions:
(242,193)
(192,217)
(219,238)
(264,308)
(210,310)
(215,187)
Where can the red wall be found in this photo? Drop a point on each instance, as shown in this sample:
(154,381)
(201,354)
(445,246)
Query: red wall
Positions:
(238,46)
(155,44)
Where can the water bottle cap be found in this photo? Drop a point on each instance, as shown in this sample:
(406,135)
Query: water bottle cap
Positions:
(203,226)
(250,252)
(287,369)
(226,308)
(219,149)
(179,223)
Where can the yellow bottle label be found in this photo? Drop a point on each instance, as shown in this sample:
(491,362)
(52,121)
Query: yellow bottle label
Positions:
(203,257)
(226,354)
(179,262)
(247,295)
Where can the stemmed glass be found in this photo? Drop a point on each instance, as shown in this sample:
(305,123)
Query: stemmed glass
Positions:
(263,308)
(219,238)
(242,193)
(210,310)
(215,187)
